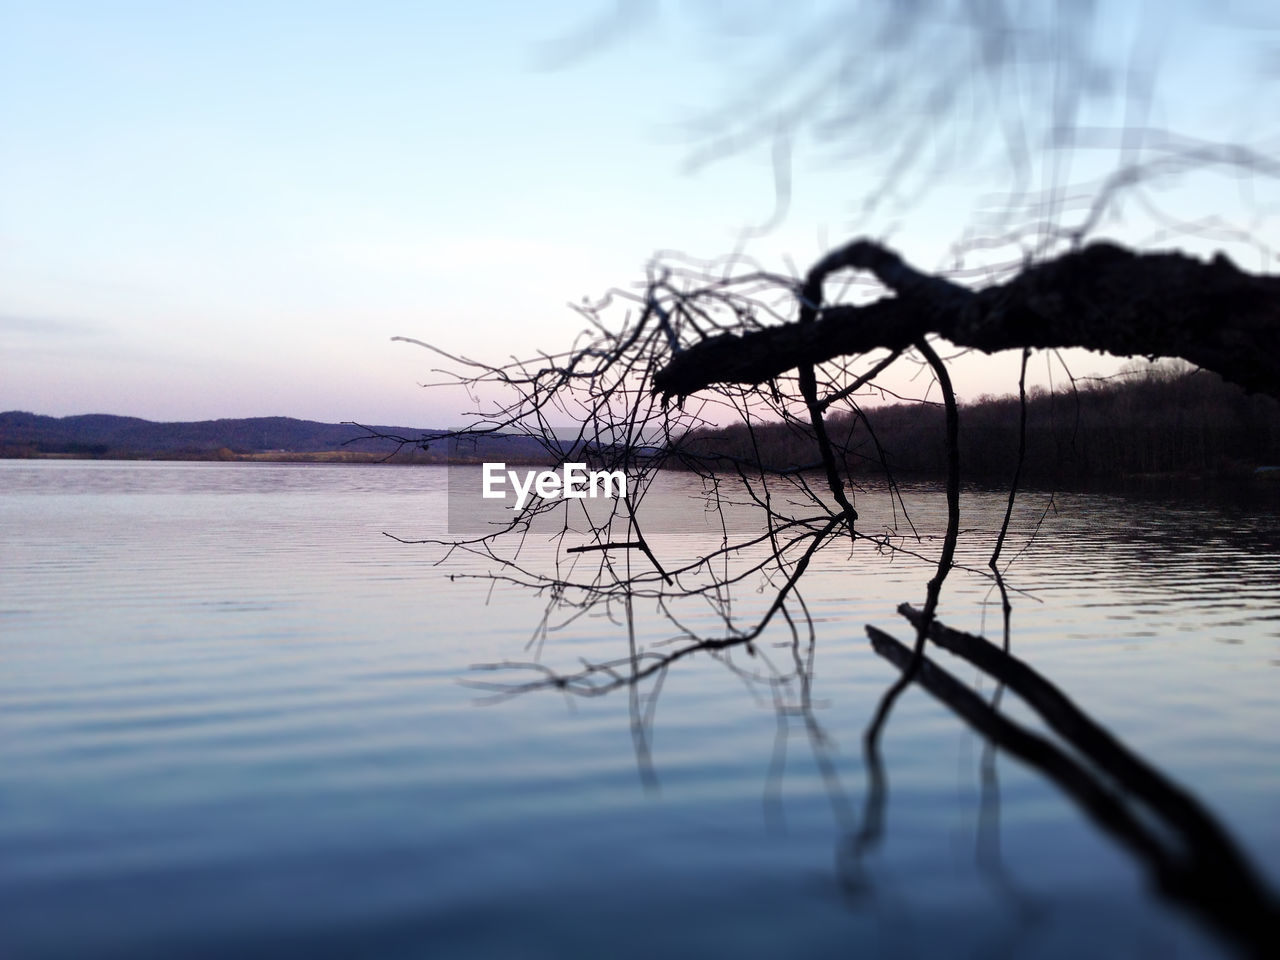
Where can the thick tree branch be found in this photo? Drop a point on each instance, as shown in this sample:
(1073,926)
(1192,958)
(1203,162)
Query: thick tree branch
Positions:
(1103,297)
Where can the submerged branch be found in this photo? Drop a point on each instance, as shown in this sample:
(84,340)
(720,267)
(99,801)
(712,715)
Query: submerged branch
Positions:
(1211,845)
(1221,889)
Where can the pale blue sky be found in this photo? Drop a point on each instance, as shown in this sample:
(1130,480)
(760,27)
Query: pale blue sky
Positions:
(229,209)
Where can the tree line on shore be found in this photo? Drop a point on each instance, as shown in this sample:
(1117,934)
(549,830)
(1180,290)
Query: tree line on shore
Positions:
(1166,418)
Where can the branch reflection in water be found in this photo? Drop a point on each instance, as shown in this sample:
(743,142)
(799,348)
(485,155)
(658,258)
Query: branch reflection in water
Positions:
(769,515)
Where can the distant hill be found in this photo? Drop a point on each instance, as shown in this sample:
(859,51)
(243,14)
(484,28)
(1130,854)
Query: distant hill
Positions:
(104,435)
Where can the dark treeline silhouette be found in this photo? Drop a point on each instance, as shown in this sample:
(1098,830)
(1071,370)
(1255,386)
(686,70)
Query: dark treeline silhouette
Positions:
(1163,418)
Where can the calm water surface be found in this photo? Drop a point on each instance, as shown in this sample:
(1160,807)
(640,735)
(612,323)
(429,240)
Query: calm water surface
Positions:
(232,724)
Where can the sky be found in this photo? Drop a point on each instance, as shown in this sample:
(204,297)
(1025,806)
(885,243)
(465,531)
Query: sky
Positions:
(228,210)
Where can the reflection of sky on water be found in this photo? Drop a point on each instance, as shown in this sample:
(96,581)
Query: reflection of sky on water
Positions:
(232,714)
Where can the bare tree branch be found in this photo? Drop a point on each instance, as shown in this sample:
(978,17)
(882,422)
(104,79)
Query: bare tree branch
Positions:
(1103,297)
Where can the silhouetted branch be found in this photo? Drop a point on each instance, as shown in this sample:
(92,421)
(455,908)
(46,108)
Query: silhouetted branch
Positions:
(1103,297)
(945,559)
(1222,890)
(1207,842)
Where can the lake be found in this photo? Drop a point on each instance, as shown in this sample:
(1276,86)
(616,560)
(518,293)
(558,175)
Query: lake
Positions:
(238,720)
